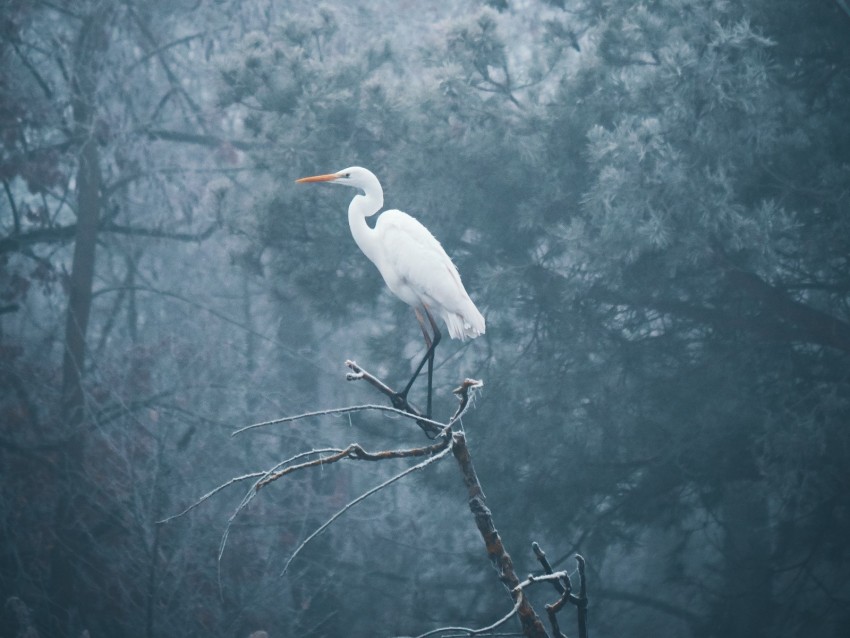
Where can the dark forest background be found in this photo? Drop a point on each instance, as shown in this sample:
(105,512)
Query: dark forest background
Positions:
(649,201)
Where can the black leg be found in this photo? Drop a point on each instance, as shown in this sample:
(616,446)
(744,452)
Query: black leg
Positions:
(427,357)
(431,350)
(431,342)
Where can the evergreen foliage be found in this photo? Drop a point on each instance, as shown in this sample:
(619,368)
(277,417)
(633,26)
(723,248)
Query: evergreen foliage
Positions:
(648,201)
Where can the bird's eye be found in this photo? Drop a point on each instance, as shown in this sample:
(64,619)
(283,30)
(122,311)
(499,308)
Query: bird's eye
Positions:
(346,175)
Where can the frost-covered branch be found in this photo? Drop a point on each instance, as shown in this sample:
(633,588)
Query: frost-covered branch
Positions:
(357,453)
(563,585)
(499,557)
(448,441)
(244,477)
(399,403)
(337,411)
(466,631)
(364,496)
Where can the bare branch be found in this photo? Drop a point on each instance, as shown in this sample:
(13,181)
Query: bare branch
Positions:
(366,495)
(333,411)
(561,582)
(499,557)
(252,492)
(581,603)
(463,391)
(562,585)
(448,442)
(431,428)
(547,567)
(16,219)
(554,577)
(158,233)
(399,402)
(159,51)
(200,139)
(210,494)
(165,47)
(239,479)
(354,451)
(19,241)
(359,373)
(466,631)
(58,234)
(552,612)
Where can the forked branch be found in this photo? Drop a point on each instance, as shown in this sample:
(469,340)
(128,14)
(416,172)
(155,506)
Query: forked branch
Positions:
(499,557)
(357,453)
(447,440)
(563,585)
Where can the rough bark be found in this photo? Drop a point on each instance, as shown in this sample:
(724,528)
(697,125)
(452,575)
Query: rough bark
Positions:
(532,627)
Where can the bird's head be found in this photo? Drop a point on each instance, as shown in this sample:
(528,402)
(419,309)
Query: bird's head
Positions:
(355,176)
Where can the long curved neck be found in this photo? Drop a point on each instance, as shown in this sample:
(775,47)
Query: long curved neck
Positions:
(361,207)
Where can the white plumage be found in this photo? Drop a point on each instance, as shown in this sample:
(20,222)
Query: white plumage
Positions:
(419,272)
(413,264)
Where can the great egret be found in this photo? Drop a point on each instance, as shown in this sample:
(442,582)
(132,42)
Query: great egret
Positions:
(412,262)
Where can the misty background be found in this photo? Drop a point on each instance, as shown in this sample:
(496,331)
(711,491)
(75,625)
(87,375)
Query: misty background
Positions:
(647,200)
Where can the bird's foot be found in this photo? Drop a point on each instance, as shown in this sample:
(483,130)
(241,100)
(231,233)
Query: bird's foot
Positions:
(399,401)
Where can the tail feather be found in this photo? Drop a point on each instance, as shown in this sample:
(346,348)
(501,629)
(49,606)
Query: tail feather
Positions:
(470,324)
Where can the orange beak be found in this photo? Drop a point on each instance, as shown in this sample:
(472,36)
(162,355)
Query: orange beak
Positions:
(317,178)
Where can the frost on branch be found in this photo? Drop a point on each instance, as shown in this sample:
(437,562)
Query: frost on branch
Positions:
(446,439)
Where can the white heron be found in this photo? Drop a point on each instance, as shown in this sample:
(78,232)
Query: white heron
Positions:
(413,264)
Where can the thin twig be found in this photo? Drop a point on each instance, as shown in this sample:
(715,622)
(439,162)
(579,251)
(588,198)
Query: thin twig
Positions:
(366,495)
(252,492)
(333,411)
(353,451)
(209,495)
(463,391)
(547,567)
(400,403)
(476,632)
(358,373)
(546,578)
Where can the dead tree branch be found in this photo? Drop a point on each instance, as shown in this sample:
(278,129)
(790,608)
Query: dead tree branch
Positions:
(563,585)
(336,411)
(354,452)
(448,440)
(431,428)
(466,631)
(364,496)
(244,477)
(357,453)
(357,373)
(499,557)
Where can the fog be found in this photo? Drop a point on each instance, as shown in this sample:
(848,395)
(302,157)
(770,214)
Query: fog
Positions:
(646,201)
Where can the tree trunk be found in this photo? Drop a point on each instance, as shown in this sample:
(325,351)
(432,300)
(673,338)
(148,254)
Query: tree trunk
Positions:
(81,279)
(70,549)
